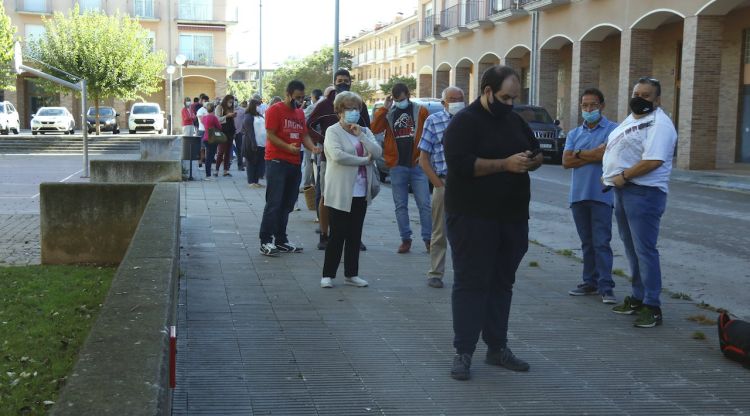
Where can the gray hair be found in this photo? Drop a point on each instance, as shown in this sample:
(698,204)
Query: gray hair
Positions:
(449,89)
(344,99)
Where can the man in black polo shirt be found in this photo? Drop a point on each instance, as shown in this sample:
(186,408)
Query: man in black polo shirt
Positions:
(489,150)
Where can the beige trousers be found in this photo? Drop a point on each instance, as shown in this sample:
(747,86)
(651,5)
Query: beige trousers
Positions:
(438,242)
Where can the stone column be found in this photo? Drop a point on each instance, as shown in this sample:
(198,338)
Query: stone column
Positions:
(699,97)
(549,61)
(635,61)
(584,74)
(481,67)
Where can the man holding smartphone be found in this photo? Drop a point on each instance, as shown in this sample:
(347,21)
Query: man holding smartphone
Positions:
(592,208)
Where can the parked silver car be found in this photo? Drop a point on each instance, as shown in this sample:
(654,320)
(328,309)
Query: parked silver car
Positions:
(9,120)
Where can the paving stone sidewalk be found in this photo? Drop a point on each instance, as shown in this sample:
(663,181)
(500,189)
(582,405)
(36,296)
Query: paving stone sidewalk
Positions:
(19,245)
(258,336)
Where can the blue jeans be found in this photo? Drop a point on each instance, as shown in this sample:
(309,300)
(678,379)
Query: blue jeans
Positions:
(401,177)
(638,210)
(594,224)
(486,254)
(282,189)
(255,164)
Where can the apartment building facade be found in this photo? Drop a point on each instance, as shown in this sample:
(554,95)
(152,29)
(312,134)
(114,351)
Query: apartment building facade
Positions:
(386,51)
(196,29)
(698,49)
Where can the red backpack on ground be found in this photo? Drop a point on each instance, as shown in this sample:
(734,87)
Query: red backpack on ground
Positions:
(734,339)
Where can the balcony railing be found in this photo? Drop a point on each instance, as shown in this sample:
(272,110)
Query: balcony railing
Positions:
(450,18)
(477,10)
(145,9)
(500,5)
(430,27)
(34,6)
(198,56)
(390,52)
(410,34)
(204,11)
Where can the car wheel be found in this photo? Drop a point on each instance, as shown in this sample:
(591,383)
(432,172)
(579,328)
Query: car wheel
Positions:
(5,132)
(16,131)
(131,131)
(33,133)
(160,132)
(116,131)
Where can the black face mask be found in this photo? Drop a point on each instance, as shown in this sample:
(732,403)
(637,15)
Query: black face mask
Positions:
(499,109)
(641,106)
(342,87)
(294,104)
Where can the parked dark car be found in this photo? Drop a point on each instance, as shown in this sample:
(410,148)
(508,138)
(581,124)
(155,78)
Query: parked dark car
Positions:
(433,105)
(107,120)
(551,137)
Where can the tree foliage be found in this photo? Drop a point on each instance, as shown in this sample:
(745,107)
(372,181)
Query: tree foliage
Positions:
(241,90)
(364,90)
(315,71)
(7,32)
(410,82)
(112,53)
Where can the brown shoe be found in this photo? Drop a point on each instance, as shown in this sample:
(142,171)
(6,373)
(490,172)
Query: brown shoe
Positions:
(427,245)
(404,247)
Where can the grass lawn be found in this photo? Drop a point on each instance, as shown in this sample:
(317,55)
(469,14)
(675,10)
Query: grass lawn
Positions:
(46,313)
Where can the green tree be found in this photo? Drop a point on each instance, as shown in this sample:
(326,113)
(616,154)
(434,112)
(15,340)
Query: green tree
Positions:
(364,90)
(410,82)
(112,53)
(315,71)
(241,90)
(7,32)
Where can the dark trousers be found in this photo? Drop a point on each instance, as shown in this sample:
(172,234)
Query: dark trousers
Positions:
(237,146)
(486,255)
(346,234)
(255,165)
(210,154)
(282,189)
(225,155)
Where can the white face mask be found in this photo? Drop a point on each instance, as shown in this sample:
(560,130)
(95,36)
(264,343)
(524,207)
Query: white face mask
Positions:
(454,108)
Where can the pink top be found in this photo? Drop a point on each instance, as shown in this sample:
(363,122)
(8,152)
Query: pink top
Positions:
(210,121)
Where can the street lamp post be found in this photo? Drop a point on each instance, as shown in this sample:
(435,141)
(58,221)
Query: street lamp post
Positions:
(170,71)
(260,47)
(180,61)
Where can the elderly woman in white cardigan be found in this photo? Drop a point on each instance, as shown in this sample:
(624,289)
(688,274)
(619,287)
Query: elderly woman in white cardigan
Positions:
(350,150)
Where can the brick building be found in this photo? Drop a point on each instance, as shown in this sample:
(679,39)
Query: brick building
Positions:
(197,29)
(698,49)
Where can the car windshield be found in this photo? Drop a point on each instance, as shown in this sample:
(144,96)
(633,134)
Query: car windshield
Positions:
(534,115)
(103,111)
(51,112)
(2,108)
(146,109)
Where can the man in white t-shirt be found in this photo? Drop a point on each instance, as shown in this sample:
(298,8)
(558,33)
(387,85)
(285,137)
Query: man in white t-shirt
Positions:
(637,163)
(201,130)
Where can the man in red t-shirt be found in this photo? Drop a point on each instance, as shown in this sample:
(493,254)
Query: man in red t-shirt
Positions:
(286,133)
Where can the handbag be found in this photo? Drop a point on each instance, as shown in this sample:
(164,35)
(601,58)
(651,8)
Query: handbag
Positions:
(216,136)
(373,180)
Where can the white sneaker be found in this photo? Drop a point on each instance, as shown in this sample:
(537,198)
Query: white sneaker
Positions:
(326,283)
(355,281)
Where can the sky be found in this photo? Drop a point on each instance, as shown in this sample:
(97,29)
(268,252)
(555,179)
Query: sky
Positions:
(297,28)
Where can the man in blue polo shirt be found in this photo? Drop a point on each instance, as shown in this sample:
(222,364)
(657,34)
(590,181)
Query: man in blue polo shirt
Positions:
(592,208)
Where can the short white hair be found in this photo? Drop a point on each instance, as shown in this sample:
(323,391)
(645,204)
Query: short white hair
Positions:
(449,89)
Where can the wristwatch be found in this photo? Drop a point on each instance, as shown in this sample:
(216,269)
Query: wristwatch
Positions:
(578,153)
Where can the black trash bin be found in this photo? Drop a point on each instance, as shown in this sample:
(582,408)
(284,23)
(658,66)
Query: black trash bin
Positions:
(191,150)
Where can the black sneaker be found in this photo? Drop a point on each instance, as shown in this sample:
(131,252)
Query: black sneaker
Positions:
(435,282)
(461,367)
(288,248)
(362,246)
(505,358)
(648,317)
(268,249)
(584,289)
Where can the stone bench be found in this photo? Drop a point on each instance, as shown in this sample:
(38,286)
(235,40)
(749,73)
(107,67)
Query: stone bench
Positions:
(158,148)
(136,171)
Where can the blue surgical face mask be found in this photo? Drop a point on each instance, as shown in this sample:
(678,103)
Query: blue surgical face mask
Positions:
(351,116)
(591,117)
(403,104)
